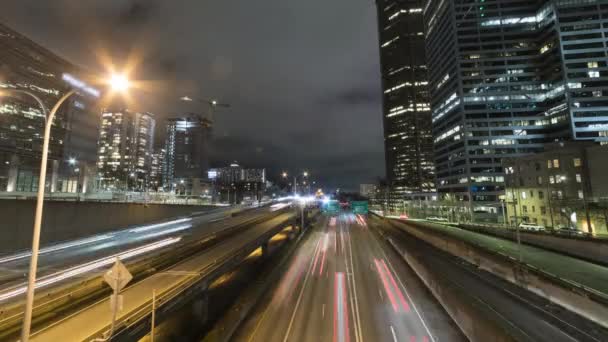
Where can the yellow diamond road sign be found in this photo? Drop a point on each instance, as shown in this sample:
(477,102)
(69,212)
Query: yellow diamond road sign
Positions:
(118,276)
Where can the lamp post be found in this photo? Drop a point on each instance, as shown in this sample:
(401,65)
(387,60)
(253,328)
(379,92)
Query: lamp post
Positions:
(213,104)
(295,180)
(120,83)
(39,205)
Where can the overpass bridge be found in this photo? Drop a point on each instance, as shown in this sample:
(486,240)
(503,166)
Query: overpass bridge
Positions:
(178,258)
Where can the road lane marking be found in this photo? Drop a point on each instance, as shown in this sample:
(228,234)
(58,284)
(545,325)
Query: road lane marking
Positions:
(341,331)
(394,335)
(404,304)
(323,311)
(295,310)
(316,256)
(359,333)
(325,242)
(386,285)
(404,289)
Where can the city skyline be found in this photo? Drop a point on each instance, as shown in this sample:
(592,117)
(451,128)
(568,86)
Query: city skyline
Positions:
(340,90)
(346,171)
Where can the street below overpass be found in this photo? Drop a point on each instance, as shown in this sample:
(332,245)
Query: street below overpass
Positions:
(346,284)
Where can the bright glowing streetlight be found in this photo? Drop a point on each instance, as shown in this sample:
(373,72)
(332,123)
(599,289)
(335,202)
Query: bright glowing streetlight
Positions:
(119,83)
(72,161)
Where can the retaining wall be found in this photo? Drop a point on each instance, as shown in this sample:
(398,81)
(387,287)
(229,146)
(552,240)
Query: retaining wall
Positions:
(571,296)
(474,319)
(71,220)
(590,249)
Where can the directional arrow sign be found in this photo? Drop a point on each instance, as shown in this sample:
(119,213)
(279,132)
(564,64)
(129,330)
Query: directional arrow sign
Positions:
(118,276)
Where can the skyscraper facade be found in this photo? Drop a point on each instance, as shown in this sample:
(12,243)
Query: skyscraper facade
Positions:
(187,149)
(506,78)
(406,114)
(125,149)
(25,65)
(158,168)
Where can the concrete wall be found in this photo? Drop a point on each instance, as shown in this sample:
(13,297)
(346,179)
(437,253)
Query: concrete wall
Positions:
(71,220)
(570,296)
(476,321)
(594,250)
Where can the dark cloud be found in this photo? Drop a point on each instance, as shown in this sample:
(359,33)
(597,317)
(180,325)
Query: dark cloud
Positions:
(302,76)
(138,12)
(364,95)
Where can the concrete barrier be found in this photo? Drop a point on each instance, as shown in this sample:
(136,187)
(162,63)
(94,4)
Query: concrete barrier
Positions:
(474,319)
(72,220)
(589,249)
(573,297)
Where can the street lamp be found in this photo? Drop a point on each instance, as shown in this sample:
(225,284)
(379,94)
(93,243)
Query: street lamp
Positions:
(213,104)
(117,83)
(295,180)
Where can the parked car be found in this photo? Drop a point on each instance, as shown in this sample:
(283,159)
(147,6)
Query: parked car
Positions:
(569,231)
(531,227)
(437,219)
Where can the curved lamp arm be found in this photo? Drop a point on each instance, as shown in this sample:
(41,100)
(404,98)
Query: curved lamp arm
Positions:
(29,303)
(30,94)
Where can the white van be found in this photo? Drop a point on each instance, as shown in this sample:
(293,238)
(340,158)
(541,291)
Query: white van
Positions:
(531,227)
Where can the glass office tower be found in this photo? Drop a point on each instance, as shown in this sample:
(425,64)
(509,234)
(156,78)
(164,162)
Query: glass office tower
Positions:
(506,78)
(406,111)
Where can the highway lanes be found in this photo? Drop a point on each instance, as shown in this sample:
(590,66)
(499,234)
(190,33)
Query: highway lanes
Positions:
(342,285)
(14,268)
(96,317)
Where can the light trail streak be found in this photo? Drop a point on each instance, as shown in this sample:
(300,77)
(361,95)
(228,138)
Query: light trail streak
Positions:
(324,248)
(341,332)
(81,269)
(157,225)
(57,247)
(316,256)
(169,231)
(387,287)
(404,304)
(279,206)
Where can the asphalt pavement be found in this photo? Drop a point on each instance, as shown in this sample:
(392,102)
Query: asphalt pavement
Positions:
(95,318)
(345,284)
(53,258)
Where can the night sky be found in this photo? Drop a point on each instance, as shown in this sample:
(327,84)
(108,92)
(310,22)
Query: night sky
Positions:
(302,76)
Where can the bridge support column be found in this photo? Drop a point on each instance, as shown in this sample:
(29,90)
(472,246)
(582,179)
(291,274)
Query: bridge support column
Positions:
(293,232)
(265,249)
(200,308)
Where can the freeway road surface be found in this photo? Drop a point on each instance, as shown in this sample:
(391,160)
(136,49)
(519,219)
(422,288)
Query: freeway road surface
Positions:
(345,284)
(95,318)
(14,268)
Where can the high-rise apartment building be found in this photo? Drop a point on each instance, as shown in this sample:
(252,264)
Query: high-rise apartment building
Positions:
(506,78)
(158,167)
(187,148)
(25,65)
(125,149)
(406,113)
